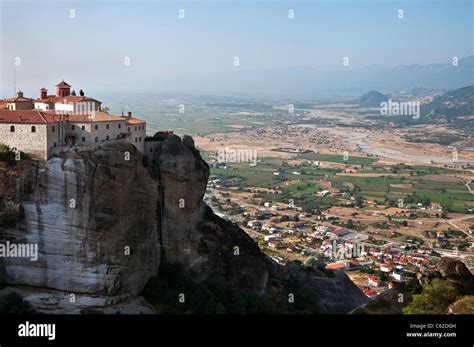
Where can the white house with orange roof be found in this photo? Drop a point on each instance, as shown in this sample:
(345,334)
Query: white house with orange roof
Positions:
(19,102)
(45,125)
(63,100)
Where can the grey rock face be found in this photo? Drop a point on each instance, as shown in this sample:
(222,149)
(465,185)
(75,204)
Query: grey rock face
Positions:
(157,211)
(453,271)
(85,211)
(206,244)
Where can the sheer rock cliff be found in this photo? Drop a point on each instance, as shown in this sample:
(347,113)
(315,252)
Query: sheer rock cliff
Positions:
(105,219)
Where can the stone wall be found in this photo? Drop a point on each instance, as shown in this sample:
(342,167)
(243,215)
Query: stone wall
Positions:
(20,105)
(112,129)
(137,135)
(24,139)
(106,131)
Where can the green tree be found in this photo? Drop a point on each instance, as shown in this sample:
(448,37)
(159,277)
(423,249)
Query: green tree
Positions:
(350,223)
(434,299)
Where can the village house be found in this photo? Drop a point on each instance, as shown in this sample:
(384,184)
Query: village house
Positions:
(374,281)
(267,226)
(397,273)
(339,232)
(347,265)
(369,292)
(386,268)
(276,244)
(51,123)
(254,224)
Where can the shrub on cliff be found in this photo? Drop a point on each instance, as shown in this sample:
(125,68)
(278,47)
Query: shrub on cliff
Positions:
(13,304)
(434,299)
(215,296)
(8,155)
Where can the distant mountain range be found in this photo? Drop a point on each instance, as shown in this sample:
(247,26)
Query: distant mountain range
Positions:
(349,82)
(450,106)
(372,99)
(454,107)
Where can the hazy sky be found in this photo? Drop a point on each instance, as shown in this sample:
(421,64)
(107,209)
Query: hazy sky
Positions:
(91,49)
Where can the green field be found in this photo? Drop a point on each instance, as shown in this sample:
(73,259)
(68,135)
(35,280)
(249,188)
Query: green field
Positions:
(386,189)
(200,116)
(352,160)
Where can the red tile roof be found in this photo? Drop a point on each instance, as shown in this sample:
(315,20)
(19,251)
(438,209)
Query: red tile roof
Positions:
(134,121)
(102,117)
(94,117)
(62,84)
(340,231)
(369,292)
(336,265)
(27,116)
(65,99)
(18,98)
(342,264)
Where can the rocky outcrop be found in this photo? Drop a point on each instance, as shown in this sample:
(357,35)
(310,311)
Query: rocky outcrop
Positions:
(105,223)
(212,248)
(93,216)
(335,293)
(207,246)
(453,271)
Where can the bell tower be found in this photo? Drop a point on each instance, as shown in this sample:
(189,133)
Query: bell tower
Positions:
(63,89)
(43,93)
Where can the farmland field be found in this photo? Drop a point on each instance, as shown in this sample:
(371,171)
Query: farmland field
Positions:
(302,182)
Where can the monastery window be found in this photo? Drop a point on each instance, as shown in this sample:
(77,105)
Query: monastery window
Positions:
(73,127)
(119,126)
(83,127)
(53,128)
(83,139)
(151,150)
(136,139)
(128,129)
(96,127)
(135,128)
(33,129)
(107,137)
(140,139)
(107,126)
(55,144)
(12,129)
(96,139)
